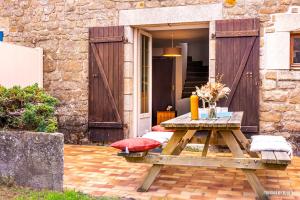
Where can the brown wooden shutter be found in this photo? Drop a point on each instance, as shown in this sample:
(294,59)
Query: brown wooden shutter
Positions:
(237,58)
(106,60)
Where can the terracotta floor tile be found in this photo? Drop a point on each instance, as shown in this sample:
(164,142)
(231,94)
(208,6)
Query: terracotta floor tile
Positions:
(98,171)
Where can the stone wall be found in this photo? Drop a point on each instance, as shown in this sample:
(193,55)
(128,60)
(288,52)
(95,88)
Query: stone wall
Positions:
(280,104)
(60,27)
(280,91)
(32,159)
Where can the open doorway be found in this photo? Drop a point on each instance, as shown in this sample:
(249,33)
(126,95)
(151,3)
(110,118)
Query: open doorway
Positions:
(169,80)
(175,78)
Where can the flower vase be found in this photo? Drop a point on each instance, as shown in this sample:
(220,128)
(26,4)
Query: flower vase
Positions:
(212,110)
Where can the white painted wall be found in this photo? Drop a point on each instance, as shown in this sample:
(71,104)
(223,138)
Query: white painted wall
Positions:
(277,50)
(180,71)
(277,44)
(184,51)
(20,65)
(182,105)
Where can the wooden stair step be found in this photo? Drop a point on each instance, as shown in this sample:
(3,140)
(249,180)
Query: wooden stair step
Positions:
(197,68)
(201,74)
(195,78)
(195,63)
(194,83)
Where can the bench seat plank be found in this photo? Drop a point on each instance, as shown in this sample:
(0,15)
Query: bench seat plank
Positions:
(282,157)
(275,157)
(133,154)
(268,157)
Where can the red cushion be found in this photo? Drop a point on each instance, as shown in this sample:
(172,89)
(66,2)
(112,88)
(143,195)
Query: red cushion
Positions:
(161,129)
(136,144)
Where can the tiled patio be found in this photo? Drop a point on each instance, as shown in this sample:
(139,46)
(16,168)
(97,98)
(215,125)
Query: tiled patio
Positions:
(98,171)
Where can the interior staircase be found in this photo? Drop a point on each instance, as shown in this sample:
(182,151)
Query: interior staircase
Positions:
(196,75)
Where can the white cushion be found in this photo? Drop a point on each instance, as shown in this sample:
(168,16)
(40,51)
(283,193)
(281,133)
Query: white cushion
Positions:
(270,143)
(161,137)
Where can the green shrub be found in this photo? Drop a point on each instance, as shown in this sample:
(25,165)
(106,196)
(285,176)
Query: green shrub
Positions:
(29,108)
(66,195)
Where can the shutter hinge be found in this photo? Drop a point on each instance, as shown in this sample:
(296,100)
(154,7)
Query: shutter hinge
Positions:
(258,83)
(125,39)
(213,36)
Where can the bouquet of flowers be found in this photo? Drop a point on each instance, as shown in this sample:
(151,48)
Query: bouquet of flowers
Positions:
(212,92)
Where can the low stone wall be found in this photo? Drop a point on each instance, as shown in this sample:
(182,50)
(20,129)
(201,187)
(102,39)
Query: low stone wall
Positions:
(32,159)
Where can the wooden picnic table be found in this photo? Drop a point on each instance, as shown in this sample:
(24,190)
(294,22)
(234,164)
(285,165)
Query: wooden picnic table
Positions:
(229,128)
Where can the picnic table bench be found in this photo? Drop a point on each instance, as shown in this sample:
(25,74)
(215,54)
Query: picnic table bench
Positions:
(229,128)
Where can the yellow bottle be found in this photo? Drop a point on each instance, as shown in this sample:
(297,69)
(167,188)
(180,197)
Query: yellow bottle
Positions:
(194,101)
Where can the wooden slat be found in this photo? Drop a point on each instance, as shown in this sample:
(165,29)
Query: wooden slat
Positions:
(184,121)
(206,145)
(237,51)
(101,110)
(253,86)
(184,141)
(232,144)
(221,122)
(92,84)
(244,142)
(282,157)
(111,69)
(133,154)
(196,161)
(105,58)
(246,33)
(107,39)
(268,157)
(106,124)
(235,120)
(120,77)
(250,129)
(116,87)
(172,144)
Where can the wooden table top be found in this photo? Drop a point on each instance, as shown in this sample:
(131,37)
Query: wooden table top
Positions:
(184,121)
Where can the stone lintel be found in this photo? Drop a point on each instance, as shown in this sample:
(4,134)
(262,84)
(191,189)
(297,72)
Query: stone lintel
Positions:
(166,15)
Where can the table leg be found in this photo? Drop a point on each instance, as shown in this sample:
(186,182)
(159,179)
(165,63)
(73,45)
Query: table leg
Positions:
(183,142)
(206,145)
(255,184)
(230,141)
(250,175)
(244,142)
(174,147)
(149,179)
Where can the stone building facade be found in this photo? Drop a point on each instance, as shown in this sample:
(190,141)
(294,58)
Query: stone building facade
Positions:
(60,27)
